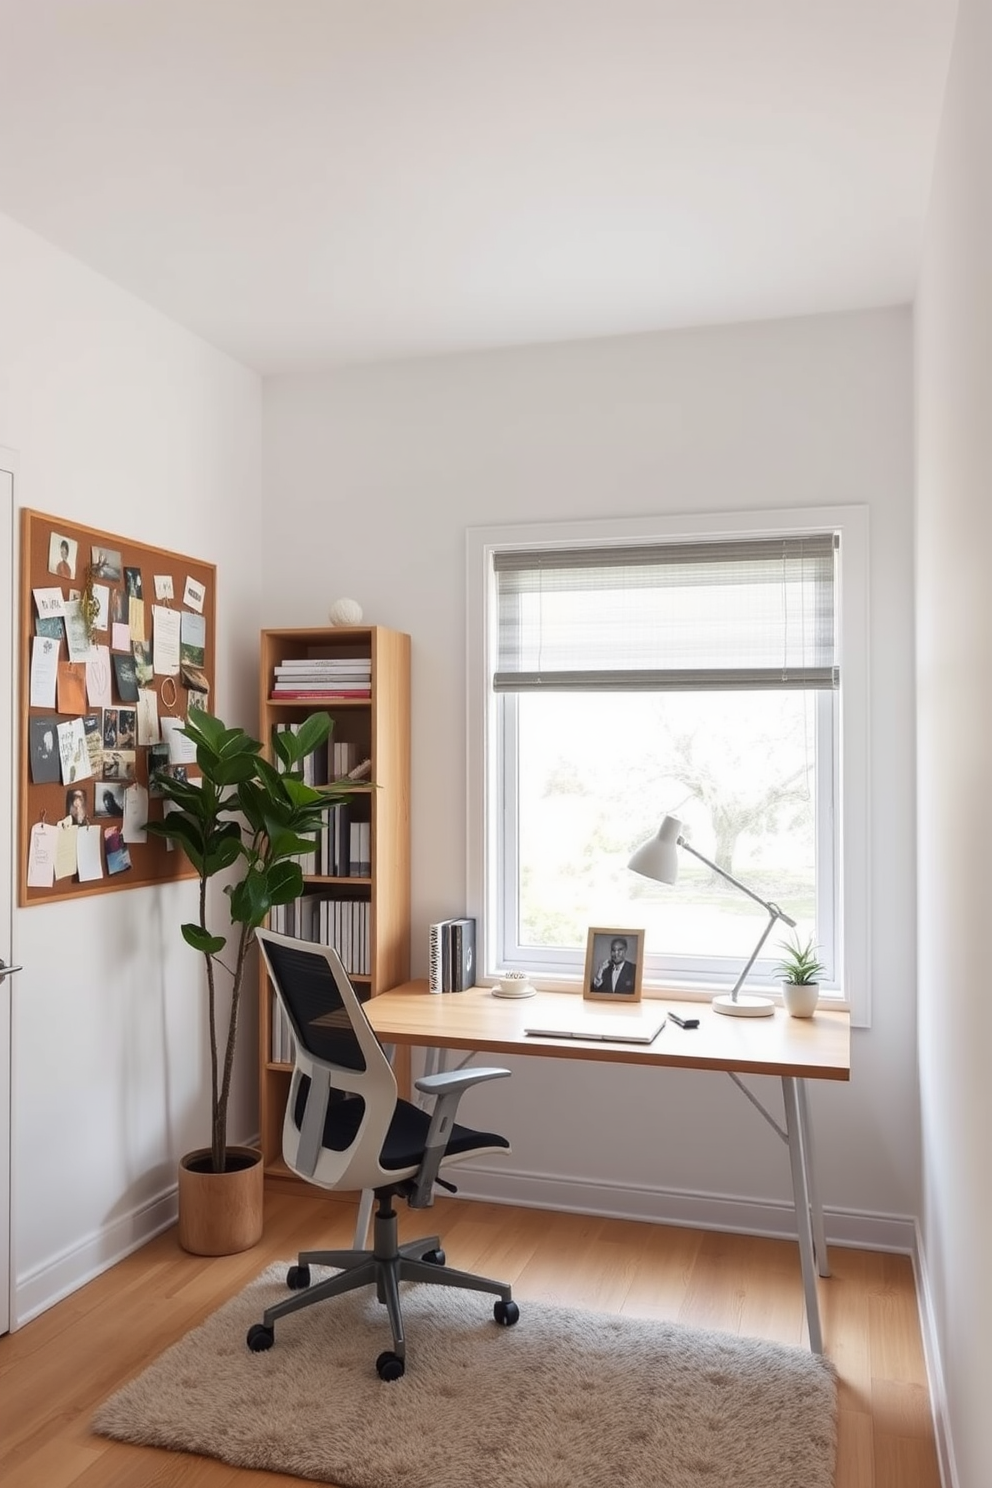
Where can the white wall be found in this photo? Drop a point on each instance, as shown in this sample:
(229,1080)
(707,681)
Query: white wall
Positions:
(122,421)
(383,468)
(954,540)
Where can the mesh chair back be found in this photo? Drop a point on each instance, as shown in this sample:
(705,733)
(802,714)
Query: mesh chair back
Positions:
(342,1096)
(313,1004)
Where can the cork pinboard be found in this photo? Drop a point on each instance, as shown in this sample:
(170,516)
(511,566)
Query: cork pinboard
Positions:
(101,693)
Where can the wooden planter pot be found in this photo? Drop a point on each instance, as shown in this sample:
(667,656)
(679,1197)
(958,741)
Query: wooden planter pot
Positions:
(220,1213)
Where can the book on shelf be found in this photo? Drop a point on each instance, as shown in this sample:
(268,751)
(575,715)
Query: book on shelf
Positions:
(302,694)
(360,850)
(324,679)
(324,664)
(342,923)
(324,673)
(321,679)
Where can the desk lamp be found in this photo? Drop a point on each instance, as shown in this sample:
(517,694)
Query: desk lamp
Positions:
(658,859)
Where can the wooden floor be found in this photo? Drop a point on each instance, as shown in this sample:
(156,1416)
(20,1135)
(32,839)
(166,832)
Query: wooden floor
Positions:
(55,1370)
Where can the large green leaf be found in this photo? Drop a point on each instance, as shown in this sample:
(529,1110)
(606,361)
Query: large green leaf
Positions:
(183,792)
(250,901)
(253,803)
(225,848)
(187,834)
(202,940)
(313,733)
(299,794)
(286,844)
(282,747)
(230,769)
(285,882)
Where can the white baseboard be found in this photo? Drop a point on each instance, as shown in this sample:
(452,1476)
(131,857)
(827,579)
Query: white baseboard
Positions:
(41,1288)
(702,1211)
(935,1369)
(57,1278)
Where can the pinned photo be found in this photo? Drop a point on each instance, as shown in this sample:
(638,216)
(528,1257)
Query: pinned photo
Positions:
(158,764)
(119,764)
(126,724)
(62,553)
(77,807)
(46,765)
(109,800)
(195,679)
(118,857)
(105,563)
(127,679)
(143,671)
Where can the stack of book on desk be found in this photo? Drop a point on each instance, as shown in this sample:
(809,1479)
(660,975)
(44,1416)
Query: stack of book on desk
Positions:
(322,677)
(451,956)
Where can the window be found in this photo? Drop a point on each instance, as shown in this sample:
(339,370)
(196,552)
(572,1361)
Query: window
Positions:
(713,669)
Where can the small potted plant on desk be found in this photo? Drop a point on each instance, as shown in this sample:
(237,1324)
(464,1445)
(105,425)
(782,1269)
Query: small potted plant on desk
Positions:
(242,810)
(799,971)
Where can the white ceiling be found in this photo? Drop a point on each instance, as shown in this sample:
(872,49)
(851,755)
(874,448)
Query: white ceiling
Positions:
(314,182)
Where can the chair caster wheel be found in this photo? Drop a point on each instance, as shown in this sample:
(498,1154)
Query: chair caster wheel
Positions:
(434,1257)
(298,1277)
(389,1366)
(506,1313)
(260,1338)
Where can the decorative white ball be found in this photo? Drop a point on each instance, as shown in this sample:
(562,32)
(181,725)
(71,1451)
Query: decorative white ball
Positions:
(345,612)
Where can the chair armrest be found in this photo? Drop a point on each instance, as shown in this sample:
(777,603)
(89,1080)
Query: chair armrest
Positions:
(449,1088)
(457,1080)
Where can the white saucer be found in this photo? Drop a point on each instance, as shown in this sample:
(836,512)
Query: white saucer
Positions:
(526,990)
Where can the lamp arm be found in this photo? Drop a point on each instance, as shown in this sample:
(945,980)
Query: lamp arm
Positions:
(772,909)
(774,913)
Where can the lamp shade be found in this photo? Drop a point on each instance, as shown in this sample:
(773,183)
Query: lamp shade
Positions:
(658,858)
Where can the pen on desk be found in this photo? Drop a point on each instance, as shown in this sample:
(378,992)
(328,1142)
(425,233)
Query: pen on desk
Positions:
(684,1022)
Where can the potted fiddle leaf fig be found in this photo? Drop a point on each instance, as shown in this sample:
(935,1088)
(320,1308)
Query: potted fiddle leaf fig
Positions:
(248,814)
(799,971)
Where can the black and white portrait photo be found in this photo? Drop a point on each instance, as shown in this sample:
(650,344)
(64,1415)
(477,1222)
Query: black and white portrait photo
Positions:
(613,965)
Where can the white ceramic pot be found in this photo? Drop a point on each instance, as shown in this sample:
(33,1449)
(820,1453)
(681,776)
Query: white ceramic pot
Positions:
(800,998)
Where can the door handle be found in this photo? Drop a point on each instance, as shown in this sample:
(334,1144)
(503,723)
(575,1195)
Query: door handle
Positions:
(6,971)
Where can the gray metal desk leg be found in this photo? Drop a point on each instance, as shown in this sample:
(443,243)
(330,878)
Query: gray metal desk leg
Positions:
(815,1207)
(801,1199)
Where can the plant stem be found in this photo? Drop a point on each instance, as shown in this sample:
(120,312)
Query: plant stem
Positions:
(221,1100)
(217,1155)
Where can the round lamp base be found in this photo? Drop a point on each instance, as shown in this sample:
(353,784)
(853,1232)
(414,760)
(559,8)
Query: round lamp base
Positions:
(744,1007)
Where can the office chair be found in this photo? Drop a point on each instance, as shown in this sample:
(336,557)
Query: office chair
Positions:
(345,1127)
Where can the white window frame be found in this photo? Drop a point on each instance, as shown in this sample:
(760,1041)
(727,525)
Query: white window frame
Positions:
(852,858)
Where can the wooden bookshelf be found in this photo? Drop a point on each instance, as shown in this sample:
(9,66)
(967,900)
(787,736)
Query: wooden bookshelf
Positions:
(379,728)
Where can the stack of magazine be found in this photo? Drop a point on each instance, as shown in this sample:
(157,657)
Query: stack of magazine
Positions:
(322,677)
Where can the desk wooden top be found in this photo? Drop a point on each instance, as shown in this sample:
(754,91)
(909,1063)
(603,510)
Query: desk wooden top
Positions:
(817,1048)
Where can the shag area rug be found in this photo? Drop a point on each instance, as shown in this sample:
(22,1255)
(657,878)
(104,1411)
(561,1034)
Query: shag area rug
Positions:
(564,1399)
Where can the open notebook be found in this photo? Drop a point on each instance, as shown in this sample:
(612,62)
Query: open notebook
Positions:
(608,1028)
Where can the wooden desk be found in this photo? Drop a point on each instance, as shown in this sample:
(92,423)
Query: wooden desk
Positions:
(794,1049)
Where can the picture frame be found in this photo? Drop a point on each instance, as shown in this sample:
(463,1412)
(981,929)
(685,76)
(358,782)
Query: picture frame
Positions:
(626,949)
